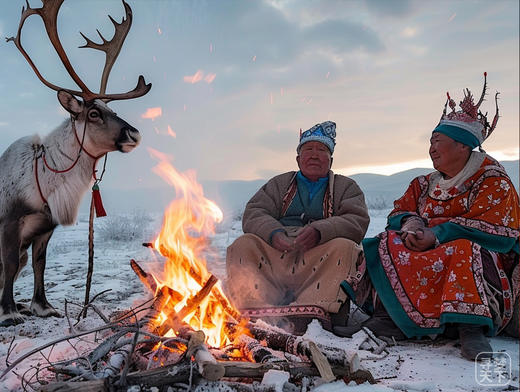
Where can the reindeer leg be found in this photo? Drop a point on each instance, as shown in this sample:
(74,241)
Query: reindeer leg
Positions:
(10,255)
(39,305)
(22,308)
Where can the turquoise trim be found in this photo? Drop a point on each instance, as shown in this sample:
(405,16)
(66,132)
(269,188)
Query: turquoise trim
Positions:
(393,307)
(458,134)
(347,288)
(450,231)
(395,222)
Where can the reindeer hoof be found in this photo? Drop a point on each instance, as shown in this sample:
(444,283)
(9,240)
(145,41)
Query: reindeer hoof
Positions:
(23,309)
(9,319)
(44,310)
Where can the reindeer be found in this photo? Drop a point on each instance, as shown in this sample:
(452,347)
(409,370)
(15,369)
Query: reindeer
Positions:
(43,180)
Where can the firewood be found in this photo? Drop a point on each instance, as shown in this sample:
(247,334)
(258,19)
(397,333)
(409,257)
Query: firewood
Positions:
(149,320)
(174,319)
(145,278)
(180,373)
(254,351)
(117,360)
(86,386)
(208,366)
(175,373)
(321,363)
(297,345)
(228,308)
(149,282)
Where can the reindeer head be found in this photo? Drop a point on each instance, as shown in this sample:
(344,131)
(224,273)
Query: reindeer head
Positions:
(104,130)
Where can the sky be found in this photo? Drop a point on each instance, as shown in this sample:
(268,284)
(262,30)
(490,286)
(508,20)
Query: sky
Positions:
(234,81)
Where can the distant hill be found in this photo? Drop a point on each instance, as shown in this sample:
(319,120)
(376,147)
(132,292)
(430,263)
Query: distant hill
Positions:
(231,196)
(381,190)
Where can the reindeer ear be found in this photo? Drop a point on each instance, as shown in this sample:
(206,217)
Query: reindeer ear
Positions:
(70,103)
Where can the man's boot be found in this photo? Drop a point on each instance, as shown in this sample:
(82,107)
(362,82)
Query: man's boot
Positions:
(473,342)
(381,324)
(340,319)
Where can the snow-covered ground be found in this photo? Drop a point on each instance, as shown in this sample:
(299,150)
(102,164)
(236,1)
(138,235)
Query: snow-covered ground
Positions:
(432,366)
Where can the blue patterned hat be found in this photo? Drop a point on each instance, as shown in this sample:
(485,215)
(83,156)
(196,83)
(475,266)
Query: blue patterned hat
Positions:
(324,133)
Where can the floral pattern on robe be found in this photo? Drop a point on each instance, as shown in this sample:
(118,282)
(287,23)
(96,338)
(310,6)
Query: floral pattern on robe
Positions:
(447,284)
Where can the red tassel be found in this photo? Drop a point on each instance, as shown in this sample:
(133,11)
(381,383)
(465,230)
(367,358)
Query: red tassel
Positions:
(98,203)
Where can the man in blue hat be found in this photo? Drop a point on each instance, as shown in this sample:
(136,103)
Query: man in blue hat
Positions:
(302,234)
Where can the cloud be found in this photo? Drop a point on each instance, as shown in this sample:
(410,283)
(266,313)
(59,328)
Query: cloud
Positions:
(394,8)
(4,124)
(279,141)
(342,36)
(409,32)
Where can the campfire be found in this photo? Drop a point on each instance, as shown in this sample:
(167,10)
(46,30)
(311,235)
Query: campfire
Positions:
(193,296)
(189,333)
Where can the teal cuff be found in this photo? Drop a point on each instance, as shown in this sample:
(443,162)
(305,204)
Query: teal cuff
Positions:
(449,231)
(395,222)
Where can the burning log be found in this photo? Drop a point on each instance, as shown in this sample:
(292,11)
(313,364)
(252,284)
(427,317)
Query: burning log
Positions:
(174,320)
(145,278)
(199,279)
(148,321)
(149,282)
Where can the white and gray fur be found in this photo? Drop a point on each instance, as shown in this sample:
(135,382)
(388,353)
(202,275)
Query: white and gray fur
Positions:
(25,220)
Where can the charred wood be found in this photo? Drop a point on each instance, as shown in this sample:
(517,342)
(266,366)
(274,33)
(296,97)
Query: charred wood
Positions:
(253,350)
(297,345)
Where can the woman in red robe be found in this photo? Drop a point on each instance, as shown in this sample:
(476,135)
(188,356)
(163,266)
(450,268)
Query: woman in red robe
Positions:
(448,258)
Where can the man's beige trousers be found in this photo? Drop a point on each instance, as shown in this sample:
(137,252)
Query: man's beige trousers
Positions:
(259,275)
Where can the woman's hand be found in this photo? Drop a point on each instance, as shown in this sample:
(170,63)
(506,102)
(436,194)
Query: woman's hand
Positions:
(412,223)
(420,240)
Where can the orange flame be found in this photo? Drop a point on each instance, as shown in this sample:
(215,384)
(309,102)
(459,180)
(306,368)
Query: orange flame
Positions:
(189,219)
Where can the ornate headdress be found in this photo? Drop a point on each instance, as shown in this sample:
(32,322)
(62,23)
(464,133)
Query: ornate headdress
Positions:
(324,133)
(469,125)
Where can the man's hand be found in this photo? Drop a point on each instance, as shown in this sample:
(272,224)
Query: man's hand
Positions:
(423,239)
(282,242)
(307,238)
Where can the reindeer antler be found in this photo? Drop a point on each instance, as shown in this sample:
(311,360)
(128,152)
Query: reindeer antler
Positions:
(49,13)
(112,49)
